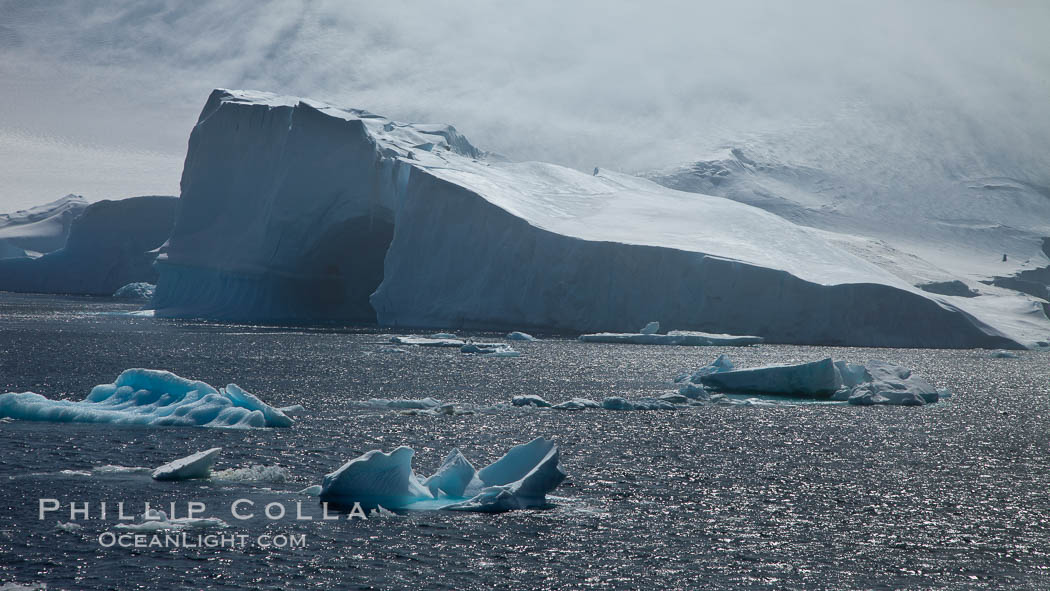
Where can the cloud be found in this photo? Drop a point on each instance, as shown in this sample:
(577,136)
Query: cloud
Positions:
(616,84)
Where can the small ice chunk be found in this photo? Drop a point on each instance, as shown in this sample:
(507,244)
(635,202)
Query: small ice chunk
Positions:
(157,520)
(254,473)
(577,404)
(197,465)
(651,328)
(421,404)
(674,337)
(530,400)
(312,491)
(520,336)
(427,341)
(392,350)
(674,398)
(443,335)
(1003,354)
(70,527)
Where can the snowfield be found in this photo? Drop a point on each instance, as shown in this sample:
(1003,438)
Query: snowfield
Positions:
(335,213)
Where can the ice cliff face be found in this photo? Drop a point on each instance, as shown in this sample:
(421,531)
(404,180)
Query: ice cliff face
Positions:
(296,210)
(109,246)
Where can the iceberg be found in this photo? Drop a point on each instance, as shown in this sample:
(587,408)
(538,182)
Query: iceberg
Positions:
(110,244)
(872,383)
(818,378)
(403,404)
(651,328)
(254,473)
(520,336)
(39,230)
(428,341)
(150,397)
(530,400)
(675,337)
(334,213)
(191,467)
(520,479)
(452,478)
(886,383)
(576,404)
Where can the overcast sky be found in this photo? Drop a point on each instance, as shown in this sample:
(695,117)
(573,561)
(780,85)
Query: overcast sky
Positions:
(99,97)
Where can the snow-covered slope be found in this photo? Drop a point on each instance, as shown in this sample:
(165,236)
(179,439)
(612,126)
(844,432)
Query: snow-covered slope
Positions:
(293,209)
(109,246)
(951,225)
(40,229)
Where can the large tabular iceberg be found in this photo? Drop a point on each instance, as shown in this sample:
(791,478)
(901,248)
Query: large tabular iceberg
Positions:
(339,213)
(110,244)
(875,382)
(150,397)
(520,479)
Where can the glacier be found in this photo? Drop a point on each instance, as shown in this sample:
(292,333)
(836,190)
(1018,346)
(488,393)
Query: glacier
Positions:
(330,213)
(110,244)
(150,397)
(521,479)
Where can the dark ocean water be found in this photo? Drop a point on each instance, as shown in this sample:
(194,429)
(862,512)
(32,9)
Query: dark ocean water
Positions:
(949,496)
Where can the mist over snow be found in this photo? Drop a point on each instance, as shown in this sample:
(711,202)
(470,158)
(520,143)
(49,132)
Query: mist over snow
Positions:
(99,98)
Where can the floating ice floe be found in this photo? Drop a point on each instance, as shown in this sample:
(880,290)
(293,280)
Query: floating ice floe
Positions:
(191,467)
(140,291)
(876,382)
(434,341)
(157,520)
(674,337)
(150,397)
(530,400)
(1003,354)
(576,404)
(403,404)
(520,479)
(69,527)
(520,336)
(392,350)
(254,473)
(609,403)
